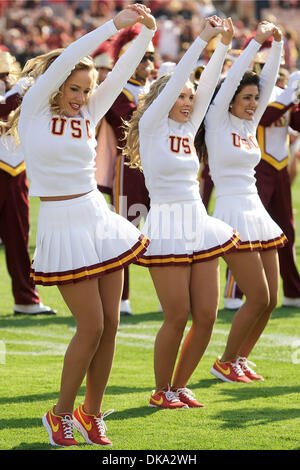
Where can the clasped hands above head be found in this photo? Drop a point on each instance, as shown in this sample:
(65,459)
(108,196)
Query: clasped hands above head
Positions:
(265,29)
(132,14)
(213,25)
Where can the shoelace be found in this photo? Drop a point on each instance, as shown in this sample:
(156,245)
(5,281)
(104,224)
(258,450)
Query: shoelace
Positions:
(237,368)
(171,396)
(67,424)
(186,392)
(245,364)
(101,426)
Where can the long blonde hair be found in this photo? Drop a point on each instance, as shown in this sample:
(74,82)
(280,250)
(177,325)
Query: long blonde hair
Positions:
(131,128)
(33,69)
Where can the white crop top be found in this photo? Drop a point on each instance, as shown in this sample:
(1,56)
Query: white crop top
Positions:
(59,151)
(233,151)
(168,156)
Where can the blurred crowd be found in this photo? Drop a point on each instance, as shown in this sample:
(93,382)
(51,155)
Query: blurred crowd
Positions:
(31,27)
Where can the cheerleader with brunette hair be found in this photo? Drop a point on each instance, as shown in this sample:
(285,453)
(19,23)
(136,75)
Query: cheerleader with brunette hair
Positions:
(233,153)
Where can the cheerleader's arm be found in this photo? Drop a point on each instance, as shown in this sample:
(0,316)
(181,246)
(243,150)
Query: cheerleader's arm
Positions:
(207,84)
(37,97)
(162,105)
(268,79)
(219,108)
(105,95)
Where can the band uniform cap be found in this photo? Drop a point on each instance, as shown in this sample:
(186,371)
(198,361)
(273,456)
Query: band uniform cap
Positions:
(123,40)
(103,60)
(166,68)
(102,56)
(6,62)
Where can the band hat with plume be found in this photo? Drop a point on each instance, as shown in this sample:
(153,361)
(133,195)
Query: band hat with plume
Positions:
(102,56)
(166,68)
(123,40)
(6,62)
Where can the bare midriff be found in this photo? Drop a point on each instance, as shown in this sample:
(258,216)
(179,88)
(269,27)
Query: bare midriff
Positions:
(62,198)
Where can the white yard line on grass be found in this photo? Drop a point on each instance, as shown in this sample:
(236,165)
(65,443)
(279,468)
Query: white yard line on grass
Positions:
(138,338)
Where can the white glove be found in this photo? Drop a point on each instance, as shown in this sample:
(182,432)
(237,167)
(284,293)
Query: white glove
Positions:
(2,90)
(21,86)
(294,84)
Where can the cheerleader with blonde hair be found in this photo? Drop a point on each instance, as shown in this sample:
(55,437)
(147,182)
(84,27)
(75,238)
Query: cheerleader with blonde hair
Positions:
(81,246)
(185,242)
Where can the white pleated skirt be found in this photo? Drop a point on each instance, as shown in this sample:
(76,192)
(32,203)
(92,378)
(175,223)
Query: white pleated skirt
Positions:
(183,233)
(247,214)
(82,238)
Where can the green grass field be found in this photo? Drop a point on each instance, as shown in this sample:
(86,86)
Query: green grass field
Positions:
(256,416)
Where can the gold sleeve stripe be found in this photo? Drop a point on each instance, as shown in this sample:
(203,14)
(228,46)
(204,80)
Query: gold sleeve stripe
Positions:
(230,286)
(13,171)
(128,94)
(277,105)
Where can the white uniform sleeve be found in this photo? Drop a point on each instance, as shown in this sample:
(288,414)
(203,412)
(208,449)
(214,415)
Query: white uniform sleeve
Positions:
(37,97)
(162,105)
(111,87)
(220,106)
(268,78)
(207,84)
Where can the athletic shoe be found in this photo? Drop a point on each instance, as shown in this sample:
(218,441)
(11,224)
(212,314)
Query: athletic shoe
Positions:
(244,364)
(185,395)
(291,302)
(232,304)
(59,429)
(92,427)
(33,309)
(125,308)
(166,399)
(229,371)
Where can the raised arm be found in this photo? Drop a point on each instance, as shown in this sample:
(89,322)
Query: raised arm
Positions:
(211,74)
(220,105)
(50,81)
(162,105)
(111,87)
(269,74)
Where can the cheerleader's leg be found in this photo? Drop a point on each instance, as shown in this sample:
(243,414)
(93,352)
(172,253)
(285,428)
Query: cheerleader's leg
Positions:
(271,267)
(110,289)
(248,270)
(172,287)
(205,293)
(84,302)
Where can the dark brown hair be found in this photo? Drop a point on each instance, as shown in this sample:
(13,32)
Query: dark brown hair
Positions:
(249,78)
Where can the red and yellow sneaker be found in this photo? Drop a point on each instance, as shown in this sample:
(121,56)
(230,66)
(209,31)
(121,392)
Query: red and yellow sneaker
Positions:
(244,365)
(185,395)
(92,427)
(229,371)
(166,399)
(59,428)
